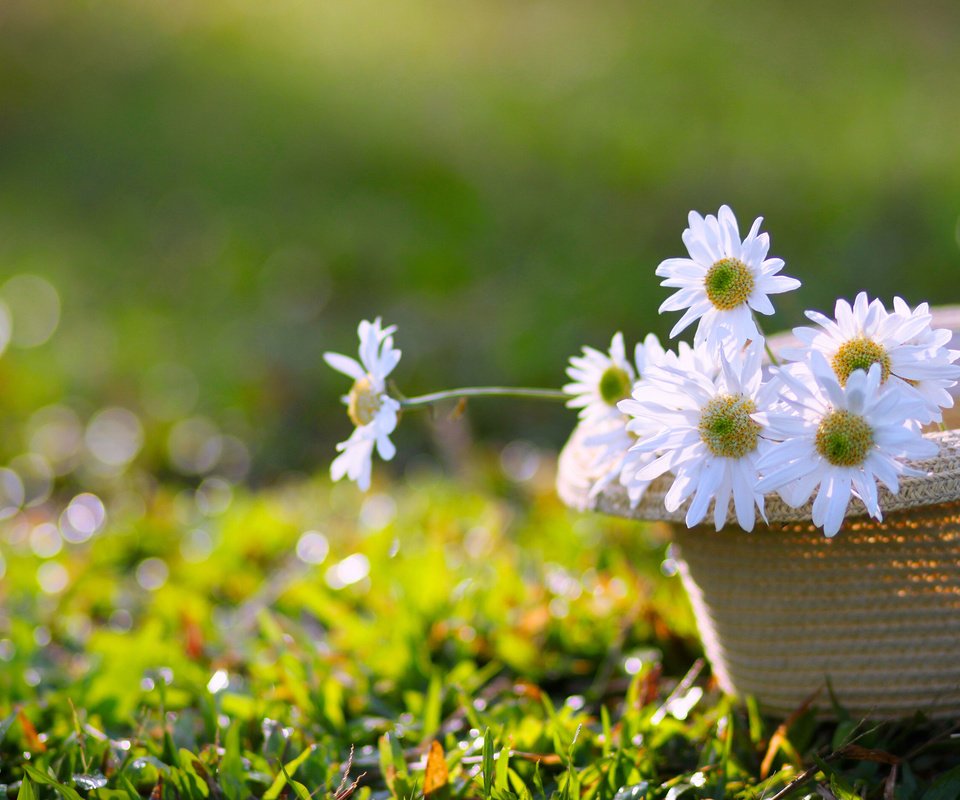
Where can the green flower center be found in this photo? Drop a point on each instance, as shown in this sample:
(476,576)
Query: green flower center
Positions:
(363,402)
(860,353)
(615,385)
(844,439)
(729,283)
(726,427)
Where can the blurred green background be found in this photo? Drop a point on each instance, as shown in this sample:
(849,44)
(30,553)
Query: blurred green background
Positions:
(219,191)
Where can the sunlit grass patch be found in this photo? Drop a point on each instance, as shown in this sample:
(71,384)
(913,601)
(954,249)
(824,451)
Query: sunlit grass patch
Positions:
(189,655)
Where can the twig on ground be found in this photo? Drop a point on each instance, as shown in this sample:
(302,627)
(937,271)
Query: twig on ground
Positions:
(680,689)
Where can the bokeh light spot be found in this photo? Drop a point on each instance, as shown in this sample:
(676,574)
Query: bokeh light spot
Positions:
(152,573)
(36,475)
(377,511)
(56,433)
(196,546)
(45,541)
(12,493)
(114,436)
(34,305)
(520,461)
(351,570)
(214,496)
(6,327)
(82,518)
(313,547)
(194,446)
(52,577)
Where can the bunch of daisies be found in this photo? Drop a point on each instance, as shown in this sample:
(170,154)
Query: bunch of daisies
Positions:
(842,414)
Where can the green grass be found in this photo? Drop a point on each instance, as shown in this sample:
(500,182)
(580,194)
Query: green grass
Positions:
(190,654)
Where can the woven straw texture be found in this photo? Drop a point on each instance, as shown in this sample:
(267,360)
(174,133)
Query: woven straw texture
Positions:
(875,610)
(783,610)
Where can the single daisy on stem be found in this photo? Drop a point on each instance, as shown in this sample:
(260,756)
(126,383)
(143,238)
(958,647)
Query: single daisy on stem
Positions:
(841,436)
(375,412)
(724,280)
(372,410)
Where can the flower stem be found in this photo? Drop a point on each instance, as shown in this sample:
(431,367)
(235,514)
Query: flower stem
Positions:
(482,391)
(773,358)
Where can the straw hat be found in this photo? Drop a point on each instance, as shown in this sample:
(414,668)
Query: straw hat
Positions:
(783,612)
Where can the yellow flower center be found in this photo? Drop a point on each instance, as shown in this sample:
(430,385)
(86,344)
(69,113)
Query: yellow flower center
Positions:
(844,439)
(860,353)
(363,402)
(729,283)
(615,385)
(726,427)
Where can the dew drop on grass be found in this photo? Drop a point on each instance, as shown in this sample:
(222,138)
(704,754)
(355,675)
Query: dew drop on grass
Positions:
(90,782)
(575,702)
(218,682)
(635,792)
(632,665)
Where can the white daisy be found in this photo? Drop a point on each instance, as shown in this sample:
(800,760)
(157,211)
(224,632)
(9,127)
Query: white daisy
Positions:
(935,391)
(611,440)
(600,381)
(725,279)
(706,434)
(609,443)
(650,353)
(370,408)
(912,356)
(842,437)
